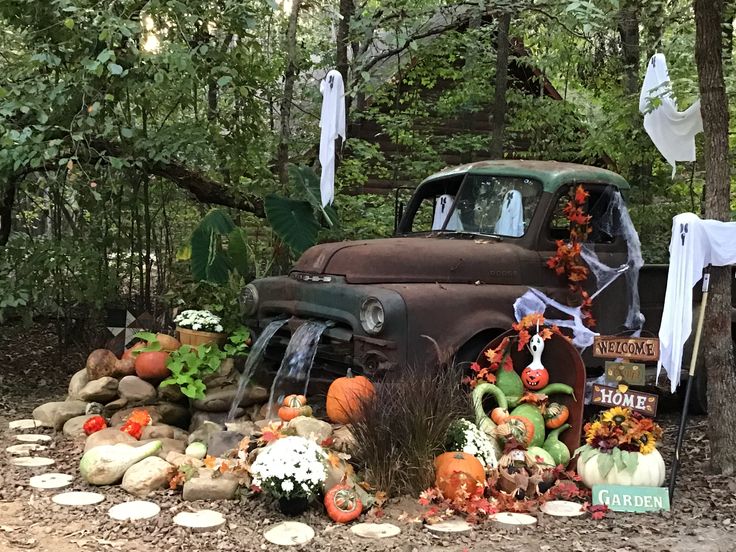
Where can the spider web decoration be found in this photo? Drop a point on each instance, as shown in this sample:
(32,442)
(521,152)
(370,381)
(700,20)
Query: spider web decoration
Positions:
(124,325)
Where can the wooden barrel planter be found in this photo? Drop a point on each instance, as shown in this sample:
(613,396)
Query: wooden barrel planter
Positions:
(564,365)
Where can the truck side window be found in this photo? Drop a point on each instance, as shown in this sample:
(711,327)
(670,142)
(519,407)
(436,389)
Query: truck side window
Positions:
(598,206)
(425,214)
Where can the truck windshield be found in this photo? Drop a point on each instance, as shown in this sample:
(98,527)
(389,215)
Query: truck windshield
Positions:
(492,205)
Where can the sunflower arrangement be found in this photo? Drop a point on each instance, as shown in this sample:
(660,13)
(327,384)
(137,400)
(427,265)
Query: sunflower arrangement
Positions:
(624,429)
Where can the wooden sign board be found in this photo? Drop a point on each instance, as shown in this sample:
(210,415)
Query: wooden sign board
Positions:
(629,348)
(630,372)
(624,498)
(646,403)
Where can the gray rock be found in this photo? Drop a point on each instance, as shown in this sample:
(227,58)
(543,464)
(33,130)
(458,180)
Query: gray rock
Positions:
(148,475)
(253,412)
(311,428)
(162,413)
(113,406)
(136,390)
(210,486)
(220,399)
(103,390)
(219,418)
(177,459)
(203,433)
(164,431)
(56,414)
(225,375)
(220,443)
(245,427)
(94,408)
(73,426)
(78,381)
(108,436)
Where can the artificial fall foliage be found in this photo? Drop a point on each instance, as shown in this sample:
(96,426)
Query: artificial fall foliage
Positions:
(94,424)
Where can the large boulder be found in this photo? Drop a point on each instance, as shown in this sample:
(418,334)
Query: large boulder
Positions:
(246,427)
(225,375)
(311,428)
(77,383)
(221,399)
(172,394)
(222,442)
(101,390)
(108,436)
(207,485)
(162,413)
(56,414)
(148,475)
(74,426)
(177,459)
(199,418)
(136,390)
(113,406)
(202,434)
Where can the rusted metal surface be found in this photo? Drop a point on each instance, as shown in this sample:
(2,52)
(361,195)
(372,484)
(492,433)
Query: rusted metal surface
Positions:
(564,365)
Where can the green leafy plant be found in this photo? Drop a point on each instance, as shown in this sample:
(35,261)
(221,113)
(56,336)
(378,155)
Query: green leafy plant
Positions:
(188,365)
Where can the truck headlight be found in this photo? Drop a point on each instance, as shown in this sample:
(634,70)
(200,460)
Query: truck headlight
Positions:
(371,316)
(249,300)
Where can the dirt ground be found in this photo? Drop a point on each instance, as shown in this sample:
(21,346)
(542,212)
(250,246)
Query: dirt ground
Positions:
(34,370)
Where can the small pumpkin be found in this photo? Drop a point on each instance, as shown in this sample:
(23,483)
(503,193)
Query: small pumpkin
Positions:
(346,396)
(130,353)
(295,401)
(458,474)
(342,504)
(288,413)
(499,415)
(152,365)
(555,415)
(518,427)
(534,379)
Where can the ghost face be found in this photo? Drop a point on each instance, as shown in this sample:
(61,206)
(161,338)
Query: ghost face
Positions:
(535,379)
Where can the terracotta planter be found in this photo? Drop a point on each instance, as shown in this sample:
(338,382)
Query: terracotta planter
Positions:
(195,338)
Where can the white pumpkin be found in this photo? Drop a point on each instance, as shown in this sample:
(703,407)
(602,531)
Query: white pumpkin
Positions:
(649,471)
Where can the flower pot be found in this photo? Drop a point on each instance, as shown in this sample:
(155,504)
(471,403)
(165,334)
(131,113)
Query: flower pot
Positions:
(293,506)
(194,338)
(649,471)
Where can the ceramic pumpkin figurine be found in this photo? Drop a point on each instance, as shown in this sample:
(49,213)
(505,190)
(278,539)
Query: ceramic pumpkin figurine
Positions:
(535,376)
(346,396)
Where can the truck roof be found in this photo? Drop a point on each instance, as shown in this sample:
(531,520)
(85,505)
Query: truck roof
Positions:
(551,174)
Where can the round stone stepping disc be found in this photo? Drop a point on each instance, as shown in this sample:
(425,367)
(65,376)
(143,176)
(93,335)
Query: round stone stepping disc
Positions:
(78,498)
(200,521)
(32,461)
(135,509)
(562,508)
(24,424)
(25,449)
(513,519)
(289,533)
(375,530)
(33,438)
(450,526)
(51,481)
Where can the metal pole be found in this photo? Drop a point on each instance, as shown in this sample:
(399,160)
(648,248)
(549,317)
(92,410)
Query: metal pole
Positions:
(691,377)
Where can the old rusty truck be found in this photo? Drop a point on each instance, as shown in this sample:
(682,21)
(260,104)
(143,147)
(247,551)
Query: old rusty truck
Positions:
(454,280)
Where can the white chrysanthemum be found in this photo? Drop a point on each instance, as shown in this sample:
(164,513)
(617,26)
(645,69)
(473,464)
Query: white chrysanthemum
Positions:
(287,486)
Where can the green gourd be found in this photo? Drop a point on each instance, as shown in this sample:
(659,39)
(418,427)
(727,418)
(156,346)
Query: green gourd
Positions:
(509,382)
(556,448)
(106,464)
(541,457)
(533,414)
(481,419)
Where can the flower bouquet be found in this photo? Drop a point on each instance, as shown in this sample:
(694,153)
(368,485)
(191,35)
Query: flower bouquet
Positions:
(199,327)
(620,449)
(291,470)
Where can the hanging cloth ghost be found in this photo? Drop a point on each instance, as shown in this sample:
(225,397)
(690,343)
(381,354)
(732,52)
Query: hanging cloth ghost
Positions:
(332,123)
(511,220)
(673,132)
(441,209)
(694,245)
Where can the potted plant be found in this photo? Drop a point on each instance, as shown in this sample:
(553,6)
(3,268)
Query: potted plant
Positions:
(620,449)
(199,327)
(292,471)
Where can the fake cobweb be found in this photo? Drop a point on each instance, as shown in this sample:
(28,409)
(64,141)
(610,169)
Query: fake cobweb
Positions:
(610,221)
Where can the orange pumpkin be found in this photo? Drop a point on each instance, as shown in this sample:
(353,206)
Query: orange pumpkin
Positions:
(535,379)
(555,415)
(346,396)
(295,401)
(130,353)
(152,365)
(499,415)
(458,474)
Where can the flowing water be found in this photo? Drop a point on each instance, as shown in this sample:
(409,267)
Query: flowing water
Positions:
(254,357)
(296,365)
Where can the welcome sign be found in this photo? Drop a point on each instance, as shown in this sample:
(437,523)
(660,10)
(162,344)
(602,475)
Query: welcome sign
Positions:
(629,348)
(624,498)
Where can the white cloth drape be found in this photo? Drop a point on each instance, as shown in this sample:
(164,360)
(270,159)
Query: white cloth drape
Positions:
(332,123)
(694,244)
(511,220)
(673,132)
(442,207)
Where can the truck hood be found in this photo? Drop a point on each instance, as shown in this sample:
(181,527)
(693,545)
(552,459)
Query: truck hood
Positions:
(416,259)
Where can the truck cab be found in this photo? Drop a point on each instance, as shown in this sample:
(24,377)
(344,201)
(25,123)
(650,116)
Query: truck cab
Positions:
(471,240)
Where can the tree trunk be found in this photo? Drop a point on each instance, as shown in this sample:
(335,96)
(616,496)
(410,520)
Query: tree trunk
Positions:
(729,14)
(282,156)
(717,345)
(498,113)
(628,28)
(6,210)
(343,39)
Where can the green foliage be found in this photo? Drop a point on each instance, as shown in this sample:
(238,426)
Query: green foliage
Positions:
(210,260)
(188,365)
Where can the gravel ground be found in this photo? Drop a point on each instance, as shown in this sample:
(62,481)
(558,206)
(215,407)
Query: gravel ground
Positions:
(702,519)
